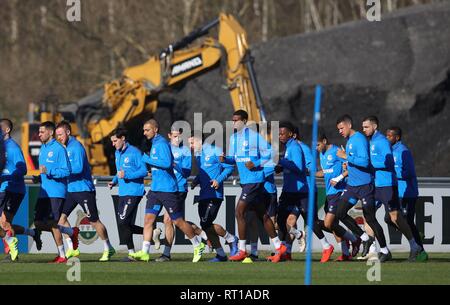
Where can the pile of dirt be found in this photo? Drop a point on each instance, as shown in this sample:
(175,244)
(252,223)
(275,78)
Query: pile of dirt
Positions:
(397,69)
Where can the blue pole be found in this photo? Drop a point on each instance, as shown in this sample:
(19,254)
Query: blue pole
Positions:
(312,180)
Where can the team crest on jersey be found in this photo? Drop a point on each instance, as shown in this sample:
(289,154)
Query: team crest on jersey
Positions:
(350,146)
(88,234)
(127,160)
(373,147)
(207,158)
(330,157)
(68,154)
(50,154)
(154,151)
(176,155)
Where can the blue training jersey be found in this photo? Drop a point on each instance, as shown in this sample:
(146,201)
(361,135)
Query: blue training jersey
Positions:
(294,168)
(210,168)
(269,174)
(308,155)
(12,177)
(331,166)
(161,162)
(54,183)
(80,179)
(248,145)
(357,149)
(382,160)
(2,153)
(269,178)
(129,159)
(308,161)
(183,166)
(405,171)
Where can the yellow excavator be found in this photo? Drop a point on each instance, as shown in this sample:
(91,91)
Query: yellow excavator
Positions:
(134,96)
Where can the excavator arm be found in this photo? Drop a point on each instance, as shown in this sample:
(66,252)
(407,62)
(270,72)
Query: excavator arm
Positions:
(136,93)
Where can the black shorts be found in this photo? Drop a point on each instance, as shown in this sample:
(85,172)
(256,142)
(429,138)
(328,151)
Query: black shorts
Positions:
(48,209)
(10,202)
(170,201)
(182,200)
(207,211)
(127,208)
(252,193)
(365,193)
(271,203)
(331,203)
(408,207)
(294,203)
(87,202)
(387,196)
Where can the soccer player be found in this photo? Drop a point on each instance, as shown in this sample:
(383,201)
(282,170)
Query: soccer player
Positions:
(163,193)
(2,166)
(54,167)
(131,171)
(359,185)
(386,192)
(212,174)
(249,151)
(332,170)
(12,188)
(182,168)
(270,200)
(407,183)
(308,161)
(80,191)
(294,196)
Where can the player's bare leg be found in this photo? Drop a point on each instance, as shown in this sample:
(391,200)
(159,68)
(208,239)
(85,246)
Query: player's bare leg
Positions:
(8,236)
(52,226)
(252,228)
(370,249)
(169,232)
(269,227)
(330,223)
(70,235)
(187,229)
(400,222)
(108,249)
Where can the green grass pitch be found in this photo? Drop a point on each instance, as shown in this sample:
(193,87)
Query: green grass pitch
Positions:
(34,269)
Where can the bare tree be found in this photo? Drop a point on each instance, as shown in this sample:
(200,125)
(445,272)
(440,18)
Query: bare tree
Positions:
(14,32)
(315,16)
(265,20)
(256,8)
(112,32)
(44,54)
(191,14)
